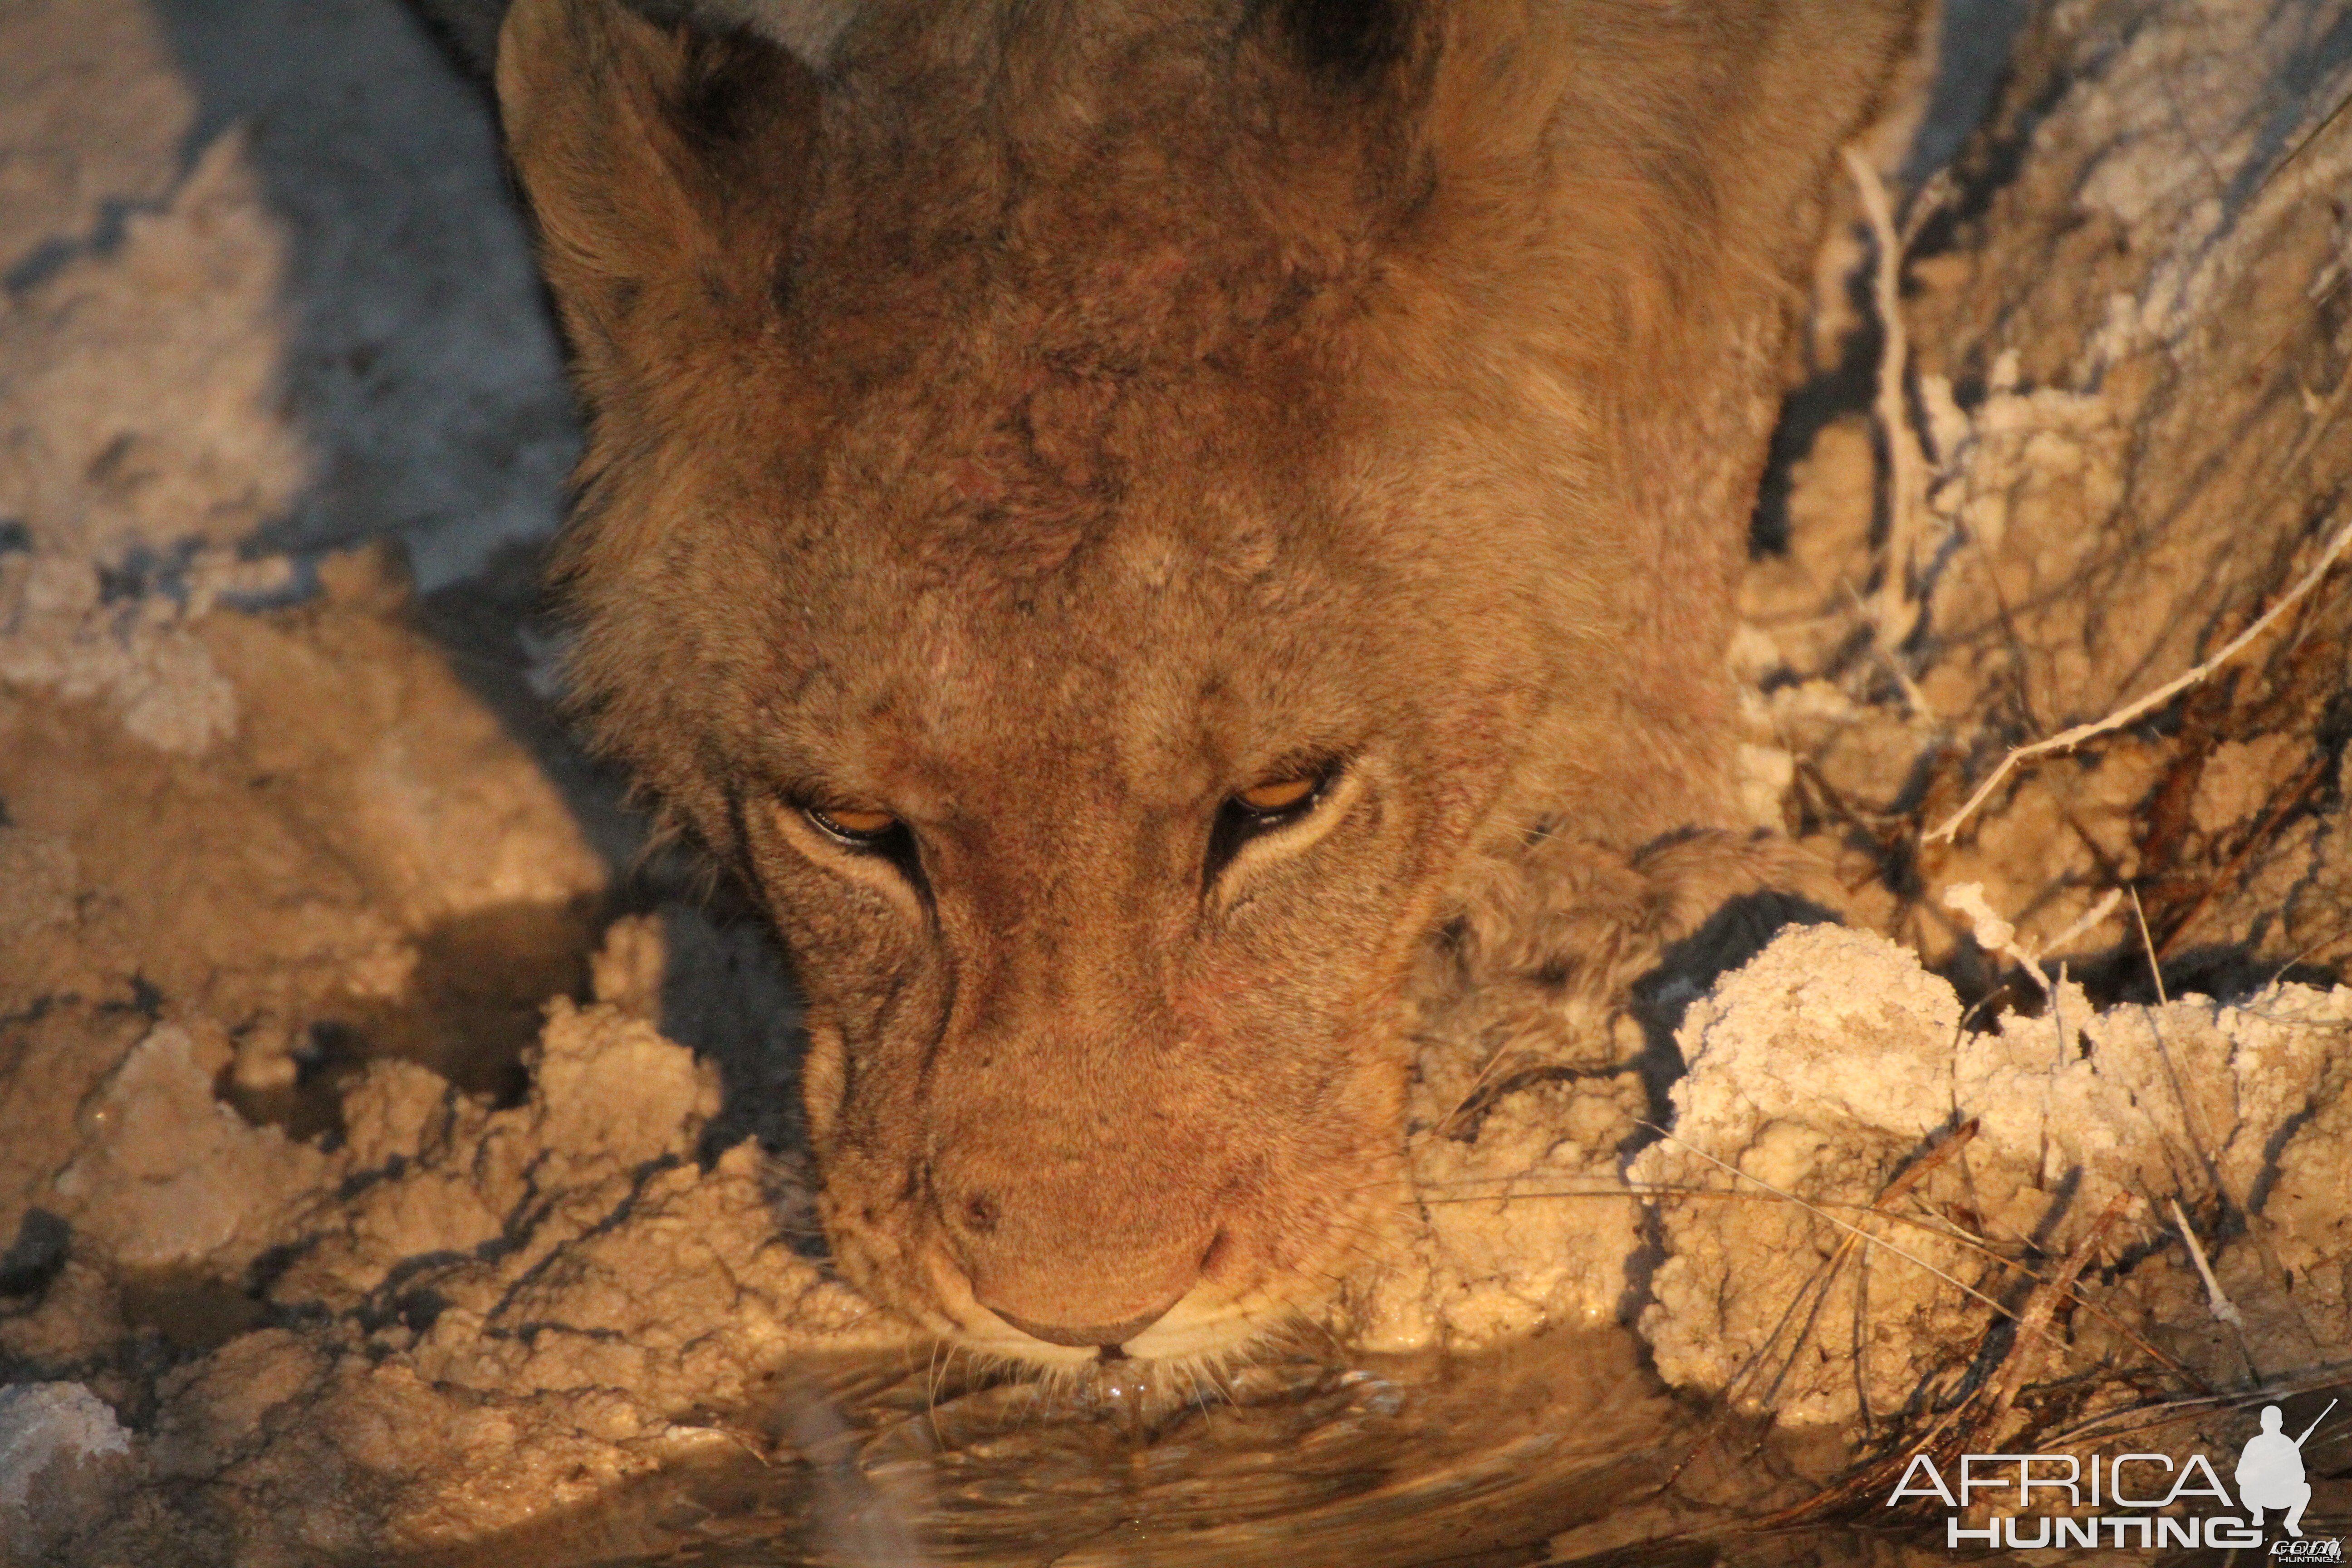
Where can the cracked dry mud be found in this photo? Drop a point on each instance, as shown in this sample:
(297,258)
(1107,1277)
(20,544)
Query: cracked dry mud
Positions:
(391,1164)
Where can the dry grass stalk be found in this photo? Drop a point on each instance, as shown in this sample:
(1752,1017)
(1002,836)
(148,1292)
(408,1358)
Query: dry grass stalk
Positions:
(1956,1428)
(2130,1420)
(2066,740)
(2220,1304)
(2042,1305)
(1819,1213)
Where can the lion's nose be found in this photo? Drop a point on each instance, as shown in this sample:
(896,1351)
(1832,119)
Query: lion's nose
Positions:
(1071,1270)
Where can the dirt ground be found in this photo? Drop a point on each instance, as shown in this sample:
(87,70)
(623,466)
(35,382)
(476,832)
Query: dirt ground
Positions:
(396,1157)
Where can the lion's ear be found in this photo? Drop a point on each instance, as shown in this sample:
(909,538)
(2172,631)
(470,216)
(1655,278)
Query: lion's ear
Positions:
(664,166)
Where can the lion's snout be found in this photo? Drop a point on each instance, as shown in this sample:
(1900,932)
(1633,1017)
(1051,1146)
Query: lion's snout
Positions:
(1081,1251)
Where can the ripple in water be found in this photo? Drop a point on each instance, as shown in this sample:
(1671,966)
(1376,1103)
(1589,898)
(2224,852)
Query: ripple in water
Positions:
(1561,1449)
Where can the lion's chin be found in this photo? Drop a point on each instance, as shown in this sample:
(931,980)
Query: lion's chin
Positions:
(1190,1335)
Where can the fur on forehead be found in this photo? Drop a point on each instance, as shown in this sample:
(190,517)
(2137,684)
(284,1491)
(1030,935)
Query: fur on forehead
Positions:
(937,322)
(1179,611)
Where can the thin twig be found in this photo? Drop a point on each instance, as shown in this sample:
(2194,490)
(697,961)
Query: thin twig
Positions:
(2044,1304)
(1907,479)
(2091,916)
(2255,838)
(2330,117)
(1825,1276)
(2155,969)
(1942,1228)
(2220,1304)
(2320,946)
(2068,740)
(1993,933)
(1823,1214)
(2171,1411)
(1912,695)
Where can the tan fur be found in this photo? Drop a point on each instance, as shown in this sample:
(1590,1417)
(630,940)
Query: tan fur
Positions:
(1060,417)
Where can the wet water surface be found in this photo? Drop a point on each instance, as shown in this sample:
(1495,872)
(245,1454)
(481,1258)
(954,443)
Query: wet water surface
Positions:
(1562,1450)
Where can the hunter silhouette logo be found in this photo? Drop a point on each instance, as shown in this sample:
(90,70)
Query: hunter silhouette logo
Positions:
(2148,1501)
(2270,1470)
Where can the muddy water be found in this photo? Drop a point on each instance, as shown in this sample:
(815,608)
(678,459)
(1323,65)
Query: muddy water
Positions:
(1561,1449)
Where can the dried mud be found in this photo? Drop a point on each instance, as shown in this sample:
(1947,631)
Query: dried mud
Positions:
(398,1160)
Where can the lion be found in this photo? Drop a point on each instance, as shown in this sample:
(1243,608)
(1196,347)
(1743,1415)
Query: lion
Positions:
(1126,523)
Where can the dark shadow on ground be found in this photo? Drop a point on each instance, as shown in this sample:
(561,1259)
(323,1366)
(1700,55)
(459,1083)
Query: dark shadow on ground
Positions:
(424,373)
(422,366)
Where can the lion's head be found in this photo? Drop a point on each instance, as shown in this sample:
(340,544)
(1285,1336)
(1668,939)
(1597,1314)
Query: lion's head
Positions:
(1106,513)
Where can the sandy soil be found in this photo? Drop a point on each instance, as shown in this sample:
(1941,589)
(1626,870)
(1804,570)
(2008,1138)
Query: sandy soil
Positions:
(391,1158)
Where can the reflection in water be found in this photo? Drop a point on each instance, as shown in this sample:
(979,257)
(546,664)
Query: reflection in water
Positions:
(1561,1449)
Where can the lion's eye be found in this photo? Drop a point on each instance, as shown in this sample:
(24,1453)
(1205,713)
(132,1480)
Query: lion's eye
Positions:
(868,832)
(1265,806)
(1280,794)
(854,826)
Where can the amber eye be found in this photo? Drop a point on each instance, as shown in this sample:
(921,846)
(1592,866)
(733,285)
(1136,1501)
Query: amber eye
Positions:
(852,824)
(1280,794)
(1267,806)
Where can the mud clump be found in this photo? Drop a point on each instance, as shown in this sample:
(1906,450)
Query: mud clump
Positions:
(383,1167)
(1891,1187)
(476,1314)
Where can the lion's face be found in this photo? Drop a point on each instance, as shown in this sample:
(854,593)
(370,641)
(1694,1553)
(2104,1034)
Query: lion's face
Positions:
(1102,522)
(1102,833)
(1102,957)
(1104,867)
